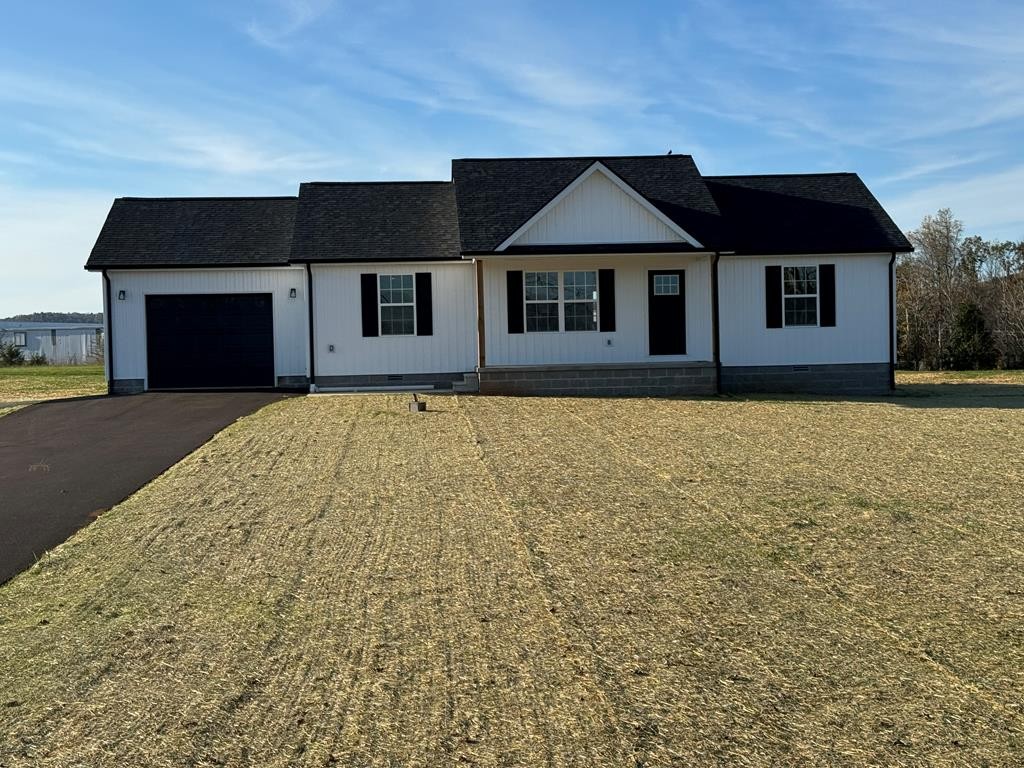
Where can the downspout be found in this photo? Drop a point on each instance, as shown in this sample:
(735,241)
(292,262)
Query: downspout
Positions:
(481,348)
(109,341)
(892,322)
(312,345)
(716,351)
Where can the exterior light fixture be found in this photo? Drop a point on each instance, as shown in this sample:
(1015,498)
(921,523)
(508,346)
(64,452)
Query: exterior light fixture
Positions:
(120,295)
(292,293)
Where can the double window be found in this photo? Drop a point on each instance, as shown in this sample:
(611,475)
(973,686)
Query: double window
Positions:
(800,296)
(19,340)
(558,301)
(397,305)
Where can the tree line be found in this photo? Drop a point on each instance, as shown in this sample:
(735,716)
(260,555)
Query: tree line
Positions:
(960,299)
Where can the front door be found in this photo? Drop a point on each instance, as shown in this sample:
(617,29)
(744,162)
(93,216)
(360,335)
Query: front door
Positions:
(666,311)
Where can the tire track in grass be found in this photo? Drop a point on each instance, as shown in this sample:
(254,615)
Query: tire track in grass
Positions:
(828,590)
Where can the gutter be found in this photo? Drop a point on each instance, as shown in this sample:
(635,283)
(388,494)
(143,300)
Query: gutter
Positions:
(312,345)
(892,322)
(716,352)
(108,320)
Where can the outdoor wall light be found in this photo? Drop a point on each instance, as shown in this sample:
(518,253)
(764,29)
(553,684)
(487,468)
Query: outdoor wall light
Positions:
(120,295)
(292,293)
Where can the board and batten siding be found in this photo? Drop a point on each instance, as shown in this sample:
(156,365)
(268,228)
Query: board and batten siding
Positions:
(451,348)
(597,211)
(629,340)
(861,332)
(291,316)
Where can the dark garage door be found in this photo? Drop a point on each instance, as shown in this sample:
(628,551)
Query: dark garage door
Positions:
(210,340)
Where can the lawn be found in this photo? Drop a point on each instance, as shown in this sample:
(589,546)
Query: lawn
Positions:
(501,581)
(48,382)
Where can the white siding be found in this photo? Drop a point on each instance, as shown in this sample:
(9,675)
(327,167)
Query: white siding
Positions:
(861,333)
(628,343)
(337,306)
(129,316)
(597,211)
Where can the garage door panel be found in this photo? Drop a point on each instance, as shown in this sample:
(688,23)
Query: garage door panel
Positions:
(210,340)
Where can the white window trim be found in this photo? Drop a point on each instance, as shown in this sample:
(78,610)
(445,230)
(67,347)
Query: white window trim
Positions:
(380,308)
(816,296)
(20,335)
(561,301)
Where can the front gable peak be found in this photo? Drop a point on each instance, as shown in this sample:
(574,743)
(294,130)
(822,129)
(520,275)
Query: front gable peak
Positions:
(598,207)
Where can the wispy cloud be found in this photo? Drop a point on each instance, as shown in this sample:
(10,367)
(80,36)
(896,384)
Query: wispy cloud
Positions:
(290,17)
(988,202)
(46,236)
(138,131)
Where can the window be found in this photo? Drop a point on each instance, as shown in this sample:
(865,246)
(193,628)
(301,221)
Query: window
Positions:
(541,291)
(19,340)
(666,285)
(397,305)
(580,294)
(800,295)
(561,301)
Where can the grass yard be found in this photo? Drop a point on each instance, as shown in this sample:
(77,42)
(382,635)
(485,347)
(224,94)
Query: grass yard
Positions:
(49,382)
(512,582)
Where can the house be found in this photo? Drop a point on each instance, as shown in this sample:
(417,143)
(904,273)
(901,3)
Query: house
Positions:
(59,343)
(613,275)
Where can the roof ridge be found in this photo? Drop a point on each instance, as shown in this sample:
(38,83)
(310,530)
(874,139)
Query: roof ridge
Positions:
(368,183)
(568,157)
(776,175)
(215,197)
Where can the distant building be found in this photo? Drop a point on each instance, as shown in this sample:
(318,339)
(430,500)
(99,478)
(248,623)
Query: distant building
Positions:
(61,343)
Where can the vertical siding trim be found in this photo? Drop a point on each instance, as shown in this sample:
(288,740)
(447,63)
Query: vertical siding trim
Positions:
(108,353)
(310,324)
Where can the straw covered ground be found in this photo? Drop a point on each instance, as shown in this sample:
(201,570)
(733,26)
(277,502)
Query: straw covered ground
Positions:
(512,582)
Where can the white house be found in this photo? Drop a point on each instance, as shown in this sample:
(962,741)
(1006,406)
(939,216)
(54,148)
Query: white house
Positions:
(582,275)
(59,343)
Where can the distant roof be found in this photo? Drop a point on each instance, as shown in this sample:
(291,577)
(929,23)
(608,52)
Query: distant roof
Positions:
(497,195)
(195,231)
(803,213)
(23,325)
(376,221)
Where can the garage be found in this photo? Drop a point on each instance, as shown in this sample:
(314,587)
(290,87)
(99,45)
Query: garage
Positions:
(214,340)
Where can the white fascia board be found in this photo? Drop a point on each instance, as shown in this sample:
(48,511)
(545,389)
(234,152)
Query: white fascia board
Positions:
(628,190)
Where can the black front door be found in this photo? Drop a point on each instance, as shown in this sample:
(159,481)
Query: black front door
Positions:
(666,311)
(210,340)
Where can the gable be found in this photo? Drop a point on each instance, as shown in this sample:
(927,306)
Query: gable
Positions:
(597,208)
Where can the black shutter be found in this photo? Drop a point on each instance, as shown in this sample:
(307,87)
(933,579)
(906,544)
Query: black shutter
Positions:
(773,296)
(368,289)
(606,296)
(827,295)
(514,299)
(424,305)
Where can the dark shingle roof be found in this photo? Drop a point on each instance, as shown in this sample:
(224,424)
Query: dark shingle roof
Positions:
(497,196)
(486,202)
(803,213)
(376,221)
(195,231)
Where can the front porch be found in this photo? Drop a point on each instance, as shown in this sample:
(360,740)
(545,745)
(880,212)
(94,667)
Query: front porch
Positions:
(654,379)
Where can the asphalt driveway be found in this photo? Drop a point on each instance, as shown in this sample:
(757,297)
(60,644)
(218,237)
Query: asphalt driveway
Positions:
(63,462)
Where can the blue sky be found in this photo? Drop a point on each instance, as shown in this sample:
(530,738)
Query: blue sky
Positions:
(103,99)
